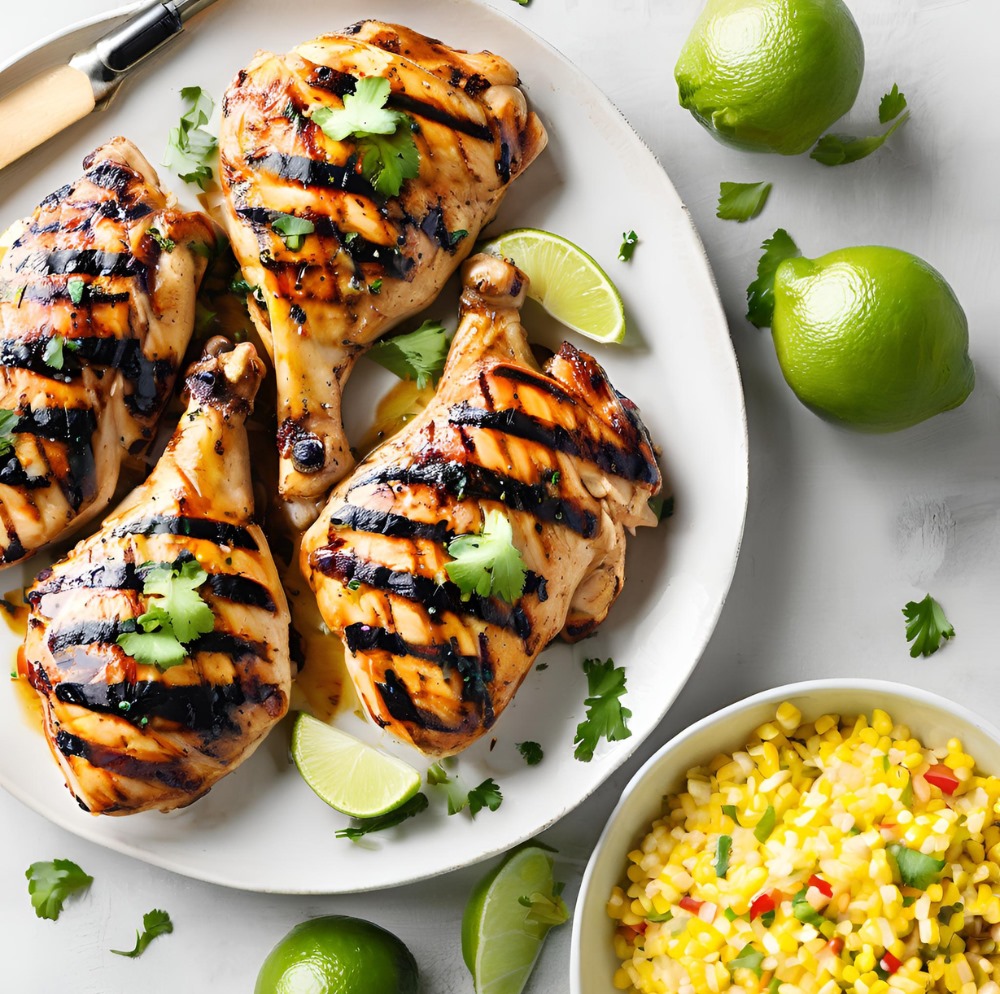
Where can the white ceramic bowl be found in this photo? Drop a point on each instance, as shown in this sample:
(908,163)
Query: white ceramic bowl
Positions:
(932,719)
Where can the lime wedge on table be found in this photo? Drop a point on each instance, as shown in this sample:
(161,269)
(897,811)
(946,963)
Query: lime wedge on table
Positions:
(500,940)
(348,774)
(566,281)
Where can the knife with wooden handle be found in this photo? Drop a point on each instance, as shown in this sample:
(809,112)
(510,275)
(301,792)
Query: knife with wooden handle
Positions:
(57,98)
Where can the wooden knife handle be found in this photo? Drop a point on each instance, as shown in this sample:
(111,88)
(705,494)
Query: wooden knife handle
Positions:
(41,108)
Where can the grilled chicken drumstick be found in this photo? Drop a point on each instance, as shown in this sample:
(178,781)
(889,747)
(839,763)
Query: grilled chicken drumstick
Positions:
(557,451)
(97,302)
(364,257)
(133,735)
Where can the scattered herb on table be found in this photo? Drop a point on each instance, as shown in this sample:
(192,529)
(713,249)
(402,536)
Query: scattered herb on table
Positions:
(418,355)
(606,717)
(760,293)
(926,626)
(385,141)
(49,884)
(742,201)
(190,149)
(627,248)
(839,150)
(365,826)
(488,564)
(154,923)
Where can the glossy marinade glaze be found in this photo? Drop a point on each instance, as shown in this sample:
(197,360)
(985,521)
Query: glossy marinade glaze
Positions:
(97,304)
(371,260)
(557,449)
(131,736)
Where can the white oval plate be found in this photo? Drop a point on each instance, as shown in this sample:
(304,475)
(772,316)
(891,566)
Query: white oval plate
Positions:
(262,828)
(932,719)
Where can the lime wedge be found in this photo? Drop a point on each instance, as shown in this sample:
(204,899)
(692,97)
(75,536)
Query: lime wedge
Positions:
(566,281)
(501,937)
(348,774)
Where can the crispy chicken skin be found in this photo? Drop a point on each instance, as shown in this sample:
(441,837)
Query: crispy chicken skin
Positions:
(97,303)
(371,261)
(558,450)
(130,736)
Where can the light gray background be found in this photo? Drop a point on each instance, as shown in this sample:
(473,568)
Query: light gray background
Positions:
(842,529)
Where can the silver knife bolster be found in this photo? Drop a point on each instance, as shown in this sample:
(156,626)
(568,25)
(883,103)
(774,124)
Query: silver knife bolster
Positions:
(109,59)
(188,8)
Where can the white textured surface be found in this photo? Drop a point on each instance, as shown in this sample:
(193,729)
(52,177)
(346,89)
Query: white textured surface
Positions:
(842,528)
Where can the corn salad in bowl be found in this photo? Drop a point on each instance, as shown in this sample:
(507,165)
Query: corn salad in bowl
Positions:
(833,852)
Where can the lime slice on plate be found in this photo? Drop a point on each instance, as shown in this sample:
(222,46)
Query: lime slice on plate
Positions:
(500,938)
(348,774)
(566,281)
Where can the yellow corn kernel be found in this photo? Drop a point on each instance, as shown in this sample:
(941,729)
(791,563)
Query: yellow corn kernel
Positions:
(865,960)
(621,980)
(788,716)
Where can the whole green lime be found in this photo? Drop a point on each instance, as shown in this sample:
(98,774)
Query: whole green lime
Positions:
(771,75)
(871,337)
(338,955)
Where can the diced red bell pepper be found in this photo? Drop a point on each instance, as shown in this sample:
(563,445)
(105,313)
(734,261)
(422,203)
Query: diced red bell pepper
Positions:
(942,776)
(889,963)
(761,905)
(835,945)
(821,885)
(691,904)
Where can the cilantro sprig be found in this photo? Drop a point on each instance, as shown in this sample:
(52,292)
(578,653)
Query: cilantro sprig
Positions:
(627,248)
(154,923)
(176,614)
(387,150)
(418,355)
(748,959)
(365,826)
(75,287)
(742,201)
(760,293)
(545,909)
(50,883)
(456,795)
(916,869)
(531,752)
(190,148)
(292,230)
(488,564)
(606,716)
(9,421)
(927,626)
(485,795)
(839,149)
(54,355)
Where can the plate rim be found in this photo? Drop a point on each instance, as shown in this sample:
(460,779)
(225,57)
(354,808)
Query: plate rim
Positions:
(718,328)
